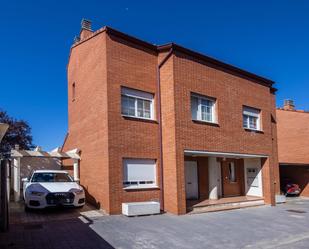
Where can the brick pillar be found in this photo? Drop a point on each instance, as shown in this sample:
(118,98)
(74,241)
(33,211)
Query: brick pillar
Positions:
(268,180)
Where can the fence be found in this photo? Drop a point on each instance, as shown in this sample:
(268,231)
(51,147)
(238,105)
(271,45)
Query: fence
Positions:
(4,188)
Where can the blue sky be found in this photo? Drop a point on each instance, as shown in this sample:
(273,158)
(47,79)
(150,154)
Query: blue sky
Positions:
(269,38)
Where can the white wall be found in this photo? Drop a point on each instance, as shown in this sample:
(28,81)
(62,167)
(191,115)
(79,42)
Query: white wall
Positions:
(214,173)
(253,184)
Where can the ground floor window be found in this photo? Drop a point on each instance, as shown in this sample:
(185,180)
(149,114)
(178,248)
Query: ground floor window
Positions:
(139,173)
(232,172)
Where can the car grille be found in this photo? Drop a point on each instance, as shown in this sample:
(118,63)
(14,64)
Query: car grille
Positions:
(59,198)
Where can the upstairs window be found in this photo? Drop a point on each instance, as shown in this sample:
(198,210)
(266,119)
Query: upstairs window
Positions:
(251,118)
(203,108)
(139,173)
(136,103)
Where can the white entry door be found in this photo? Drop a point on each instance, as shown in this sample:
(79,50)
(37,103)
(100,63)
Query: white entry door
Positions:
(253,176)
(191,180)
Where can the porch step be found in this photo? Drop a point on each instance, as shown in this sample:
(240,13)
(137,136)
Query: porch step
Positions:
(225,206)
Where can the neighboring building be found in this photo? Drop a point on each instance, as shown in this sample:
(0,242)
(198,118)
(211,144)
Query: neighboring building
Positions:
(168,124)
(293,146)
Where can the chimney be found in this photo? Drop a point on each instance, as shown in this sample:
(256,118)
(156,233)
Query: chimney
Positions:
(289,105)
(86,30)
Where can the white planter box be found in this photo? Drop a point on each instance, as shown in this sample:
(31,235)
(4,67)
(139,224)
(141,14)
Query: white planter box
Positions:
(140,208)
(280,199)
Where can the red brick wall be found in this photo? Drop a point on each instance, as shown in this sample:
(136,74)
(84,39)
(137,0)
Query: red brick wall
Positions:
(104,63)
(88,117)
(134,67)
(231,92)
(293,137)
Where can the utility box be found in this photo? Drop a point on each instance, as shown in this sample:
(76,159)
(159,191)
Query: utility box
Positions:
(140,208)
(280,199)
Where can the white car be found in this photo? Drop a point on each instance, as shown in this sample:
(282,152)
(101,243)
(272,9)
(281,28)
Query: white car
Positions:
(50,188)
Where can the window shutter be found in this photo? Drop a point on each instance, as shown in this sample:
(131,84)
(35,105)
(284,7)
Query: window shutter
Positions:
(139,170)
(251,112)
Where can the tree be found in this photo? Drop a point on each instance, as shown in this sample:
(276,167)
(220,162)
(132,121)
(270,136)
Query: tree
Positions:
(19,132)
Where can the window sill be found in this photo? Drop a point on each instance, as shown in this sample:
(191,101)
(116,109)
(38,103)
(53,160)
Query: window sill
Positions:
(205,122)
(139,119)
(141,188)
(252,130)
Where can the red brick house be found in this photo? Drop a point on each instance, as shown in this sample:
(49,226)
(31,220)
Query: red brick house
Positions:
(293,146)
(167,124)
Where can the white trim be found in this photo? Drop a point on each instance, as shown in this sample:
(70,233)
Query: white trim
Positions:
(222,154)
(141,187)
(130,116)
(136,93)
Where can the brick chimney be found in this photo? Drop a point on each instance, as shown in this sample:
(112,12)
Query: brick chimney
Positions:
(289,105)
(86,30)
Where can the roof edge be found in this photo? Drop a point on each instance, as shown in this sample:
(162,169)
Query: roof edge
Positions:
(297,111)
(216,62)
(175,47)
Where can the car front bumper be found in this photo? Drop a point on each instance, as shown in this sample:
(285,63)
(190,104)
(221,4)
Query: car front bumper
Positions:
(55,199)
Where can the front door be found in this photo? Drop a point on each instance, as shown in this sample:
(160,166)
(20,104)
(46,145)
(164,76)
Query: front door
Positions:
(191,180)
(232,177)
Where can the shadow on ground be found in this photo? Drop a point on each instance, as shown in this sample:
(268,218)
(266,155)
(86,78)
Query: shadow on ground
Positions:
(52,229)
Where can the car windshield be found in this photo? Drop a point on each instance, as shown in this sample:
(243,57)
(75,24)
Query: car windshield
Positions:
(51,177)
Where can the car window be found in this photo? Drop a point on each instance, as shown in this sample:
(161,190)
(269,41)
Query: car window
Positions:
(51,177)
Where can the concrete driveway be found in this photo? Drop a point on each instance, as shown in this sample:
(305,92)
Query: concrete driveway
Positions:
(260,227)
(283,226)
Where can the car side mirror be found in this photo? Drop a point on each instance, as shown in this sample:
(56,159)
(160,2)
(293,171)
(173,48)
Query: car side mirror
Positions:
(25,179)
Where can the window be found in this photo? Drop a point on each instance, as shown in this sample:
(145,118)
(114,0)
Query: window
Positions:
(251,118)
(203,108)
(136,104)
(51,177)
(139,173)
(232,172)
(73,91)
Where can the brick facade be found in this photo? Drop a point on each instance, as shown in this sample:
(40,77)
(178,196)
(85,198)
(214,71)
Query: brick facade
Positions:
(293,136)
(293,147)
(101,63)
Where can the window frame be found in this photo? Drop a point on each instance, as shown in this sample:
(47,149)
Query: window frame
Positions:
(199,108)
(232,172)
(251,112)
(73,91)
(137,95)
(138,184)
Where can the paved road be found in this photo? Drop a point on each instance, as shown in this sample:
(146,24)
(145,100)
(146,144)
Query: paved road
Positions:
(260,227)
(285,226)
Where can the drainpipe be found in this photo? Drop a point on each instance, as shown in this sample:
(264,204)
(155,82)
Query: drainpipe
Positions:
(160,126)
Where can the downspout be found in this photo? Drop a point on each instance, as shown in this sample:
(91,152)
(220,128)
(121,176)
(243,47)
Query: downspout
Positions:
(160,126)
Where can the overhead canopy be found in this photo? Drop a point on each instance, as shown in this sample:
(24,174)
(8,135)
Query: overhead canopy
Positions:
(222,154)
(56,153)
(3,129)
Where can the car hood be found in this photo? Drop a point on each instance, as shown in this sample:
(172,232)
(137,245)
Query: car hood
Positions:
(52,187)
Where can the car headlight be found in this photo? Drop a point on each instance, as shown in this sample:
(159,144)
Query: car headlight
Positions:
(36,193)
